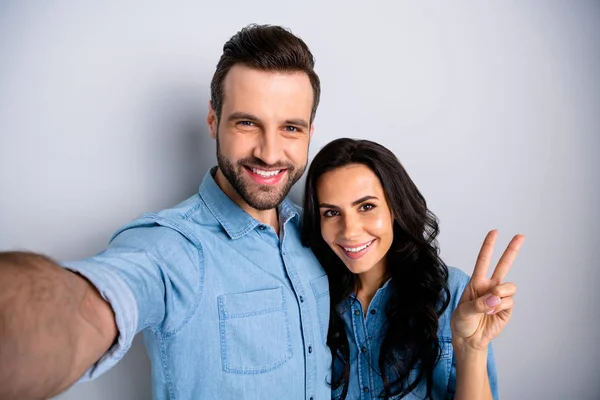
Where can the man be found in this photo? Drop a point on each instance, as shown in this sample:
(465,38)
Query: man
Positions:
(232,305)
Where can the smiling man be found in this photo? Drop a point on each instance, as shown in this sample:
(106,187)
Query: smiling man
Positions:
(262,132)
(231,304)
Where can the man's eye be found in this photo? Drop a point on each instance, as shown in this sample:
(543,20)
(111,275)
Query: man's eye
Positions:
(246,123)
(290,128)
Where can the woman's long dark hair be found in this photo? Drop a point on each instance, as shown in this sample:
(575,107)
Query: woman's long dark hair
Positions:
(418,276)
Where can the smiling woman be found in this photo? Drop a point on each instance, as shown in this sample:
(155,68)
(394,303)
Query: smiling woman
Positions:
(402,323)
(356,221)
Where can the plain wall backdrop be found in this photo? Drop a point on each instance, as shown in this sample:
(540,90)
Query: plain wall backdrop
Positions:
(492,107)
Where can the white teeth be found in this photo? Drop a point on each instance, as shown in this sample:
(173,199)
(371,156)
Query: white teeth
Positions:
(357,249)
(265,174)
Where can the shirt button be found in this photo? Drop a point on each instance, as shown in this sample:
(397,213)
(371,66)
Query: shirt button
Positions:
(363,349)
(373,312)
(312,398)
(262,227)
(357,313)
(301,299)
(366,389)
(310,349)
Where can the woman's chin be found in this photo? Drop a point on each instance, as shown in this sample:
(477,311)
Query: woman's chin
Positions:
(357,267)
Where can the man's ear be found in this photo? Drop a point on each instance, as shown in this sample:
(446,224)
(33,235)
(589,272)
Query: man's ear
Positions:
(212,121)
(312,130)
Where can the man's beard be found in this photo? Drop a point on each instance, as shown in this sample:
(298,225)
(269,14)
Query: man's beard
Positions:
(259,197)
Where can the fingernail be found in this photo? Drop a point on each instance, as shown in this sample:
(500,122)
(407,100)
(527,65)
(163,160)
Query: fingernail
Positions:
(492,301)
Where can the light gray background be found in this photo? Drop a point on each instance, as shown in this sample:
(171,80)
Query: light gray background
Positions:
(493,108)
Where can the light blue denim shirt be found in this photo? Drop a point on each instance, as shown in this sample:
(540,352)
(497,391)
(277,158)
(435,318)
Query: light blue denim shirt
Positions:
(229,309)
(365,334)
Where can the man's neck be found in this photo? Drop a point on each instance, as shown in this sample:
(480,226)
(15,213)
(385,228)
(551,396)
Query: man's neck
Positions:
(267,217)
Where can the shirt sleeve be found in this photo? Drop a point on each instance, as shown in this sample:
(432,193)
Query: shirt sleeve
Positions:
(150,276)
(457,281)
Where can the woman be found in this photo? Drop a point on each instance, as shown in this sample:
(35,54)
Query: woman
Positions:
(402,324)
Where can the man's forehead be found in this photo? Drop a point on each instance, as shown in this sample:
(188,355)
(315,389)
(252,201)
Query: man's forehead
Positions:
(247,86)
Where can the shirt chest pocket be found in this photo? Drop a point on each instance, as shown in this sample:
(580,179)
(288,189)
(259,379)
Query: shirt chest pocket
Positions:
(441,374)
(254,329)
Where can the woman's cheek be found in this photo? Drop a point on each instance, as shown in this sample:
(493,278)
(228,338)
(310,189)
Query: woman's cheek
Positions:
(378,221)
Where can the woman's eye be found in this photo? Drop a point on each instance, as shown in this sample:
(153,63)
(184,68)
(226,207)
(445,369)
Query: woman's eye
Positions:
(330,213)
(367,207)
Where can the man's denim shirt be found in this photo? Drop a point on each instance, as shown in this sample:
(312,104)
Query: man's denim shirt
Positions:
(365,334)
(229,309)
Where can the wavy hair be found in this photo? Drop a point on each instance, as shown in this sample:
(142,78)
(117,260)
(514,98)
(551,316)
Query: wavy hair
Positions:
(419,278)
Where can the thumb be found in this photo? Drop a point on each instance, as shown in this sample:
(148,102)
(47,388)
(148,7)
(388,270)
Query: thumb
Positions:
(483,304)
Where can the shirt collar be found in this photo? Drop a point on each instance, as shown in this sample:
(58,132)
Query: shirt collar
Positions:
(381,291)
(381,297)
(234,220)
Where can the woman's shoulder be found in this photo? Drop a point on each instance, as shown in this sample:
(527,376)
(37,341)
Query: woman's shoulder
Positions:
(457,282)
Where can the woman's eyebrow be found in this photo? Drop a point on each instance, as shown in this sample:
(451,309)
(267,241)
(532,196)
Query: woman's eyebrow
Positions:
(355,202)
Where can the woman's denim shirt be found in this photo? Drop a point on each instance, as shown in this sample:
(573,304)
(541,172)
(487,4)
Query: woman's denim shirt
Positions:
(365,335)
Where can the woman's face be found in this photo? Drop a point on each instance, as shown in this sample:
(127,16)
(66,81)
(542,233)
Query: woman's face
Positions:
(356,221)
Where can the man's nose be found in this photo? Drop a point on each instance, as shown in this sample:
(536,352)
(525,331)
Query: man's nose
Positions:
(269,147)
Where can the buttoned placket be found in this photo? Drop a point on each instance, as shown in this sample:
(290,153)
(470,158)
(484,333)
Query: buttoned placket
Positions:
(306,323)
(363,351)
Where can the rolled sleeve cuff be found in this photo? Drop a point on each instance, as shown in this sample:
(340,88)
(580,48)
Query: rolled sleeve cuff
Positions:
(120,297)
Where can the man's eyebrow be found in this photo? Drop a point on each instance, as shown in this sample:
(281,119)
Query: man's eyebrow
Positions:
(354,203)
(238,115)
(241,115)
(297,121)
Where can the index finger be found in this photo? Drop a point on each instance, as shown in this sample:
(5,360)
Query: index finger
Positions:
(485,255)
(508,257)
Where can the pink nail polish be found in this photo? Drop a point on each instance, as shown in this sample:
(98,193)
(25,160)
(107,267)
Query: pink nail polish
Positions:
(492,301)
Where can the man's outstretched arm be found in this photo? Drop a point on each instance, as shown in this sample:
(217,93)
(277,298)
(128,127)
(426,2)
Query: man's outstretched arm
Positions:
(54,325)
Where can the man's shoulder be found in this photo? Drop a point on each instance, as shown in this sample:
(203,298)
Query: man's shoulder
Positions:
(184,219)
(189,209)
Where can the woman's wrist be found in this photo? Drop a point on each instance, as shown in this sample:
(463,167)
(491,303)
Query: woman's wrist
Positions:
(463,351)
(471,371)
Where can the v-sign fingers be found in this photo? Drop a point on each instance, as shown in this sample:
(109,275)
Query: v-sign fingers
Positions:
(485,255)
(508,257)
